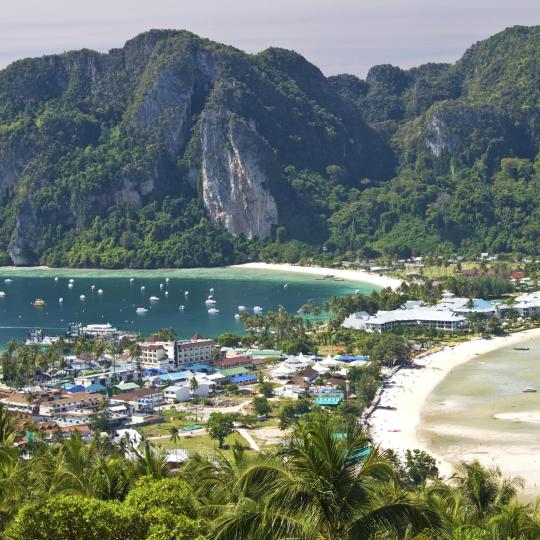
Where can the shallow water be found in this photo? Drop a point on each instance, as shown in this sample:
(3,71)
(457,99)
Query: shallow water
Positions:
(120,298)
(480,412)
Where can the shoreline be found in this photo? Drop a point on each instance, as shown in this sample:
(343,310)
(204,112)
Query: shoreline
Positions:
(361,276)
(409,389)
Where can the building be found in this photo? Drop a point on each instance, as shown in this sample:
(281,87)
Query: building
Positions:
(449,314)
(141,400)
(525,304)
(77,401)
(194,351)
(154,356)
(386,320)
(177,393)
(108,378)
(236,360)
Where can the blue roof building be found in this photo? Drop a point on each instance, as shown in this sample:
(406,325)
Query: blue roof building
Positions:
(243,379)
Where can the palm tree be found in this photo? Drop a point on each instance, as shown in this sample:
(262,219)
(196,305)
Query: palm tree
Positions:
(485,489)
(149,461)
(324,484)
(193,385)
(174,431)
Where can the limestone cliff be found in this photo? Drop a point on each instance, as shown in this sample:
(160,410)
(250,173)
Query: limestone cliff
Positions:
(235,183)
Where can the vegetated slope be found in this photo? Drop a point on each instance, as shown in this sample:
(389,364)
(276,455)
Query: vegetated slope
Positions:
(177,151)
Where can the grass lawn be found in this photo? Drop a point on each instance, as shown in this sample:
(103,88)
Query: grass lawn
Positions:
(201,444)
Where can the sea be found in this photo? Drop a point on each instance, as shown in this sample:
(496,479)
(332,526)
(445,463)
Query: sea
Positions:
(479,411)
(123,291)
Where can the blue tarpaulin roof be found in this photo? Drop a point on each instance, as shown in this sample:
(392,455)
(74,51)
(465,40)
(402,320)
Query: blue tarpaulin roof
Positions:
(77,388)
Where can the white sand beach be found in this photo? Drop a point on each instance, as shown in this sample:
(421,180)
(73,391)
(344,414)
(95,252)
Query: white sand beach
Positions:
(408,390)
(351,275)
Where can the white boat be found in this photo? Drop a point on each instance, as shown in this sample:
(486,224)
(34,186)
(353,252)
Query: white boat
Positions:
(237,316)
(166,293)
(100,291)
(60,300)
(56,279)
(141,310)
(257,309)
(211,290)
(131,280)
(213,311)
(186,293)
(180,308)
(93,287)
(82,297)
(142,288)
(242,308)
(72,280)
(529,390)
(357,291)
(70,285)
(2,294)
(8,280)
(161,285)
(285,286)
(167,280)
(210,302)
(154,299)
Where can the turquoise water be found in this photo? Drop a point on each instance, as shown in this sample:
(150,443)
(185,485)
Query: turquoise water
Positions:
(120,298)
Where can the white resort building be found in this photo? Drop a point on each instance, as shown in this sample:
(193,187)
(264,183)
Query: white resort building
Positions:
(449,314)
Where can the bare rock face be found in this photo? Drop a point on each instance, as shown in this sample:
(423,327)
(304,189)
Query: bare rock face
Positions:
(234,173)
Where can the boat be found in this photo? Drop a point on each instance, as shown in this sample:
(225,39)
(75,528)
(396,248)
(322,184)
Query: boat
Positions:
(93,287)
(186,293)
(212,290)
(8,280)
(70,285)
(2,294)
(213,311)
(100,291)
(166,293)
(154,299)
(180,308)
(82,297)
(328,276)
(339,279)
(56,278)
(167,280)
(131,280)
(236,316)
(161,285)
(141,310)
(38,302)
(529,390)
(242,308)
(257,309)
(285,286)
(521,348)
(142,288)
(60,300)
(72,280)
(210,302)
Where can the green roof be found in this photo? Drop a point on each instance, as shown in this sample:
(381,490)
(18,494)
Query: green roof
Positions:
(127,386)
(264,352)
(233,371)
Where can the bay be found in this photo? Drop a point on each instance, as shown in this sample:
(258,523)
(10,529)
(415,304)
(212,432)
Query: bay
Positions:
(479,411)
(121,296)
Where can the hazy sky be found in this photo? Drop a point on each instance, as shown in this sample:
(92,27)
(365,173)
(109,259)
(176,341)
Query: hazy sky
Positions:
(339,36)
